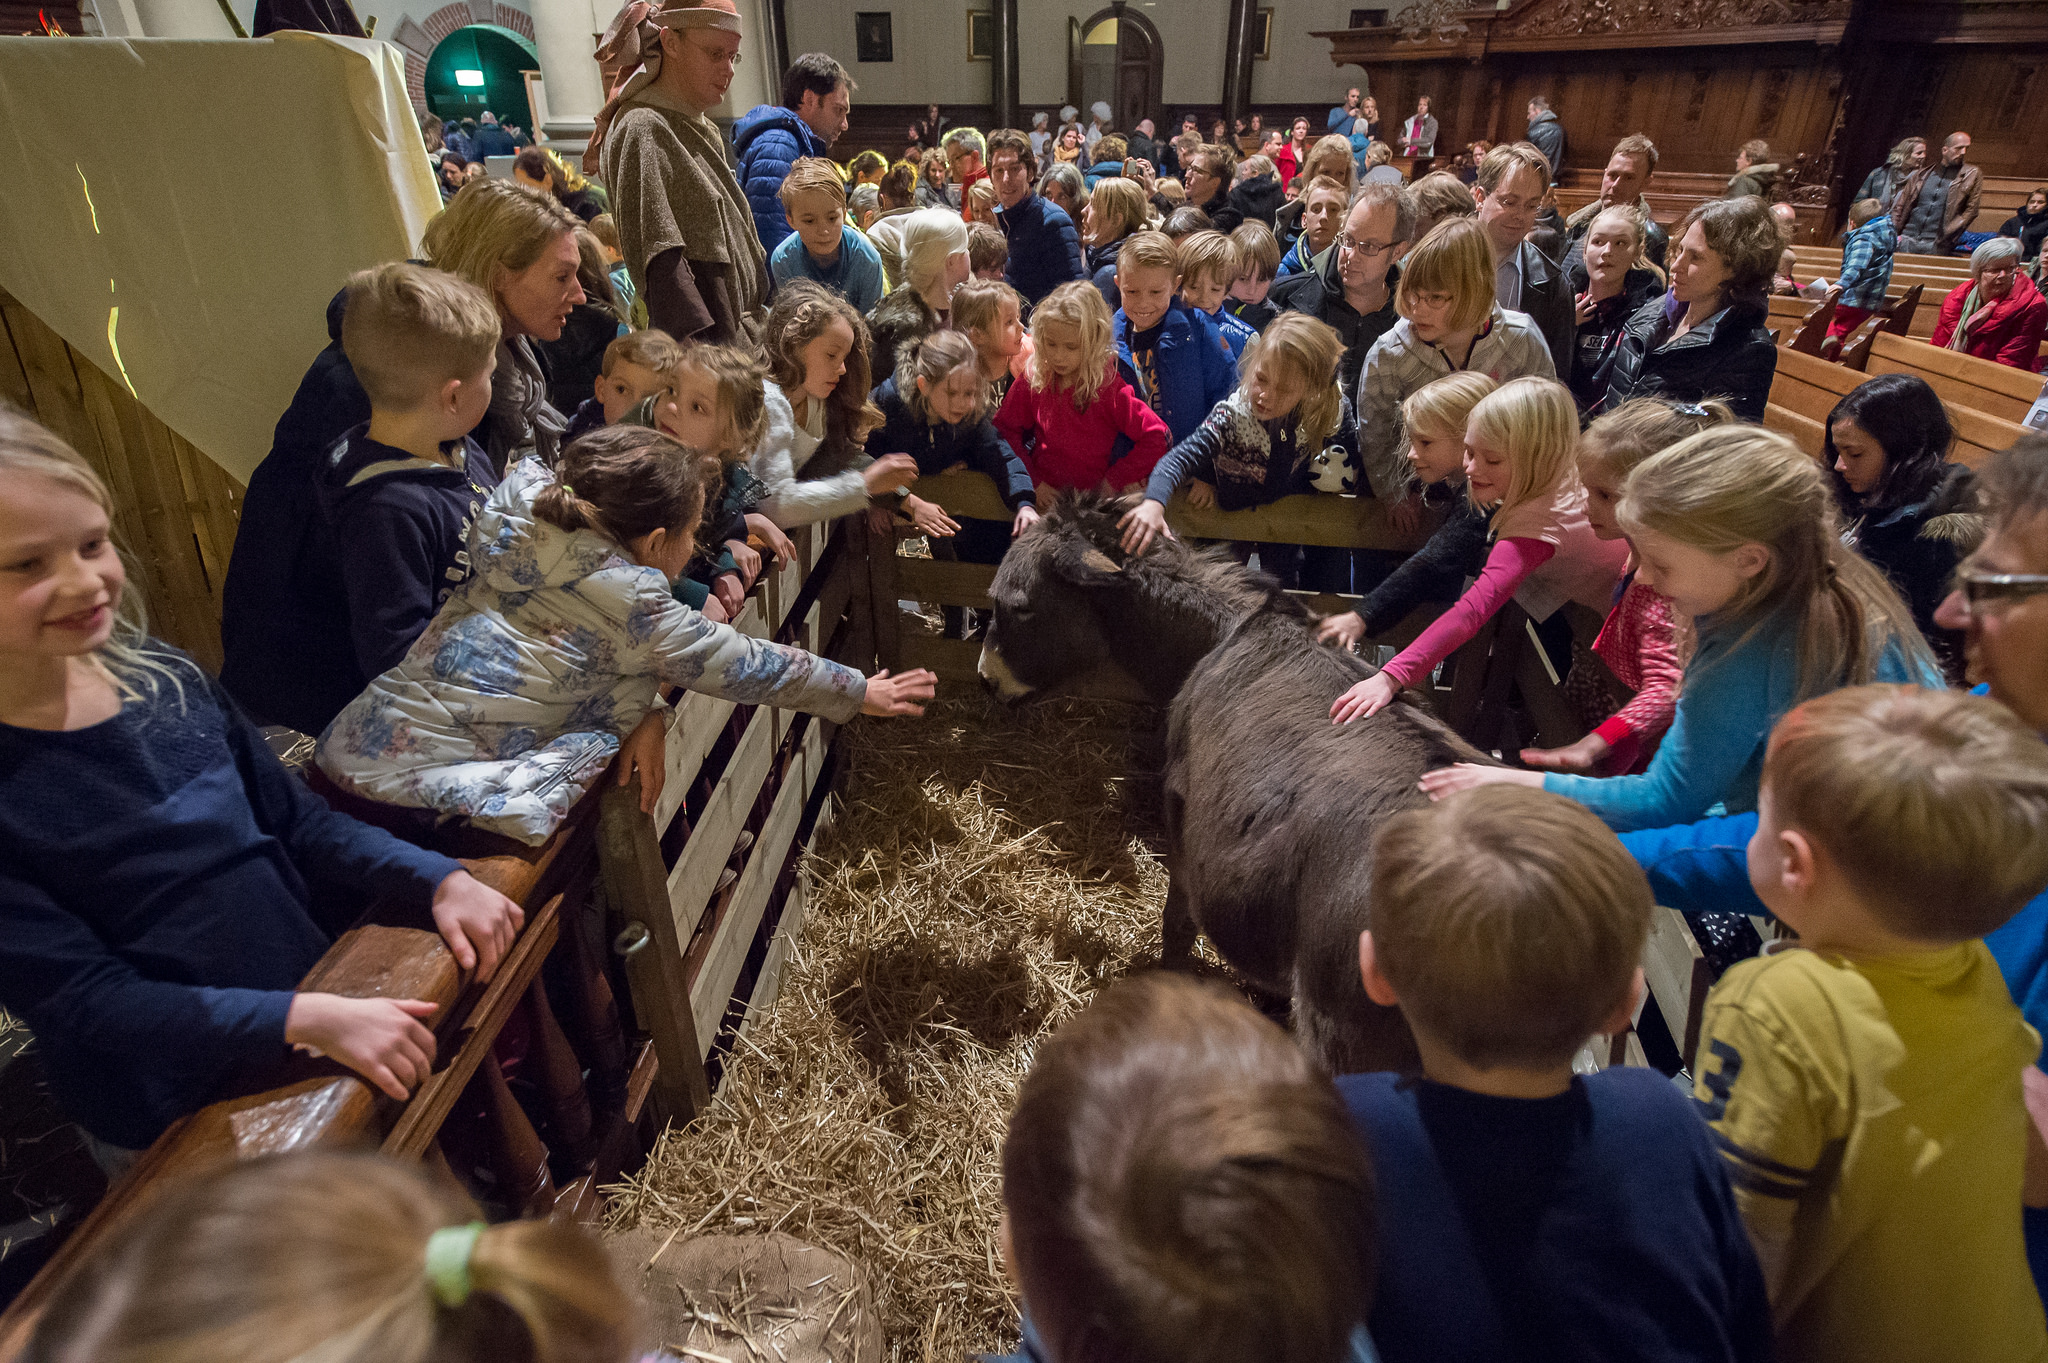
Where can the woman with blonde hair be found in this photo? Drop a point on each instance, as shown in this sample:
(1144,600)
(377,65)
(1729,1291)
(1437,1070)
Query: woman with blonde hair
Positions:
(932,191)
(1611,282)
(934,262)
(1450,323)
(1117,209)
(1330,156)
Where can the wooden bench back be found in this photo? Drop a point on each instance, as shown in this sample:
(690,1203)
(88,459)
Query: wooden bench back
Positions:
(1807,388)
(1962,380)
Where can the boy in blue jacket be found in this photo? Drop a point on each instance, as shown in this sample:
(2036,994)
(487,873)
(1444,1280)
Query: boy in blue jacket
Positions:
(1174,357)
(1209,265)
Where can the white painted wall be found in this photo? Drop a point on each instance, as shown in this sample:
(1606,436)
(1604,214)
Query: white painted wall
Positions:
(930,39)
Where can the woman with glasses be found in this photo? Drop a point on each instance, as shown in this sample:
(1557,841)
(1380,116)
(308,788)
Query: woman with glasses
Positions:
(2000,314)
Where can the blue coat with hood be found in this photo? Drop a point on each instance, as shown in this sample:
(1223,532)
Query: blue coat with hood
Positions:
(1192,368)
(768,139)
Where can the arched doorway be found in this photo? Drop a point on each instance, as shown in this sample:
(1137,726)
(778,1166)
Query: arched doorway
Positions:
(1118,59)
(479,67)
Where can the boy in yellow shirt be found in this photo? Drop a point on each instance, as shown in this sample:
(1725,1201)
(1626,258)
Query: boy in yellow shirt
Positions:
(1864,1083)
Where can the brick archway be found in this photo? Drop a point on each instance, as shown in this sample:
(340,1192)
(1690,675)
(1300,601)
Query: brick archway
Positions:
(418,38)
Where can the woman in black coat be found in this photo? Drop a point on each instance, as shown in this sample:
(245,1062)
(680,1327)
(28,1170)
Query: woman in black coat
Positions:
(1706,337)
(2030,225)
(1610,282)
(1904,506)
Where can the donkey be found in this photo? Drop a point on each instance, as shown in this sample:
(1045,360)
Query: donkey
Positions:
(1270,809)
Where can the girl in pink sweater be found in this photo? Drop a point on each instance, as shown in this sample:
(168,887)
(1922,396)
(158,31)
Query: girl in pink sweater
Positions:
(1518,461)
(1065,421)
(1639,642)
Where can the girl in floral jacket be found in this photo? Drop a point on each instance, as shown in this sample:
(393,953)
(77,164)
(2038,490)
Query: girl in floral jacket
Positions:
(515,698)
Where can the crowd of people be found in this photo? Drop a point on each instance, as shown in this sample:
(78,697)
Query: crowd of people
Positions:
(530,481)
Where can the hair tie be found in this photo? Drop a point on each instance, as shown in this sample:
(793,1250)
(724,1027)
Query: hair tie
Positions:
(1691,409)
(448,1251)
(568,491)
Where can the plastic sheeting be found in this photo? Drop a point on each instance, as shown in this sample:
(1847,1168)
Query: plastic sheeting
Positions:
(181,212)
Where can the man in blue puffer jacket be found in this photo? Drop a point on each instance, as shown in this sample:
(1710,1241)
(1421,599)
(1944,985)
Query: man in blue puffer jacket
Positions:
(770,138)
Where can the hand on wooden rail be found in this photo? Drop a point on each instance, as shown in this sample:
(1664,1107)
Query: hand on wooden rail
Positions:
(476,922)
(384,1040)
(770,534)
(646,751)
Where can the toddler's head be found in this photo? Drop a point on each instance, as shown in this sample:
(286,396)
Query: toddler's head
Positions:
(1507,922)
(1291,369)
(606,229)
(988,312)
(638,488)
(1518,444)
(817,347)
(1071,342)
(1617,441)
(988,252)
(636,367)
(1930,806)
(1185,221)
(1208,267)
(1435,416)
(814,200)
(1258,262)
(343,1258)
(939,378)
(1147,277)
(714,402)
(422,341)
(1179,1183)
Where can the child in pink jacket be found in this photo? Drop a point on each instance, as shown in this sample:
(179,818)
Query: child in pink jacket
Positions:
(1065,421)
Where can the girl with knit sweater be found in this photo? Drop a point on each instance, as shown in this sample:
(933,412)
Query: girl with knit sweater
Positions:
(1518,462)
(1736,525)
(1066,422)
(1638,642)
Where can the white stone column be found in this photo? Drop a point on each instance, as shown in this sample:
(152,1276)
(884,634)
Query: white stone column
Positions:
(172,18)
(566,32)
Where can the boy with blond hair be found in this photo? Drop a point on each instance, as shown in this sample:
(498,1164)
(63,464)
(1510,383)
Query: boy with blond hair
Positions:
(1864,1082)
(1209,265)
(988,251)
(636,367)
(1527,1211)
(1173,357)
(821,245)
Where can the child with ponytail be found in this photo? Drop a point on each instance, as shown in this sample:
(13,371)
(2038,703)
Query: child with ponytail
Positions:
(1638,642)
(1518,466)
(1736,526)
(1077,424)
(341,1259)
(514,699)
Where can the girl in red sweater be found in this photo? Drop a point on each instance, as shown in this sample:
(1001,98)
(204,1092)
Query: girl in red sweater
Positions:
(1064,423)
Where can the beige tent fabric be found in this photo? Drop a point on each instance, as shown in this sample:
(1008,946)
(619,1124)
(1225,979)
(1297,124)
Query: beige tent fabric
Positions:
(217,194)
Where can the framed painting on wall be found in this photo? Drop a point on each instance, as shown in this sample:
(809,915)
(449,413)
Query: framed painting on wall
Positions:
(981,35)
(1264,50)
(873,36)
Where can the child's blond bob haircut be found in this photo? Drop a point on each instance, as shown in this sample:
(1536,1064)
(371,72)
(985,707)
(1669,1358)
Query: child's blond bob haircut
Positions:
(1619,440)
(1454,259)
(1934,804)
(1440,408)
(1535,423)
(1149,251)
(814,175)
(1078,305)
(1510,921)
(978,305)
(1258,252)
(651,349)
(410,328)
(1306,349)
(1208,257)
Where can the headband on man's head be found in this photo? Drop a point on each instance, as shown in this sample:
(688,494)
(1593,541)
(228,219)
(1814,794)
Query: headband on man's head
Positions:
(629,53)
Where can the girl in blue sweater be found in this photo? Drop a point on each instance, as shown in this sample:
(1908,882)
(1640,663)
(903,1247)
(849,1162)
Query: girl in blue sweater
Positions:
(1737,526)
(155,857)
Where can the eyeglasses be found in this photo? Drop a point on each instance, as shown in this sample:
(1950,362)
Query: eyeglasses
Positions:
(1982,588)
(1432,301)
(1371,250)
(713,54)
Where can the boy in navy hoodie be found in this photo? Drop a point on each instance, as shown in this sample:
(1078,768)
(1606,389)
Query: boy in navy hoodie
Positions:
(1209,265)
(400,491)
(1174,357)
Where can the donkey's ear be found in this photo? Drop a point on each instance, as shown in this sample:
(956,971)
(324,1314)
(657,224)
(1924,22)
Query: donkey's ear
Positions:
(1084,565)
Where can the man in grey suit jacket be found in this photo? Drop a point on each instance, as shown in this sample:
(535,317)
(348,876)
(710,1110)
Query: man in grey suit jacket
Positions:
(1418,134)
(1512,181)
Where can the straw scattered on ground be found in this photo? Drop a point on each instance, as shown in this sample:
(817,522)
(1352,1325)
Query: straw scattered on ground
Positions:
(986,875)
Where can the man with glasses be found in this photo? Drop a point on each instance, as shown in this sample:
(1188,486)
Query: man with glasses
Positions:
(1351,285)
(1045,251)
(1512,182)
(685,227)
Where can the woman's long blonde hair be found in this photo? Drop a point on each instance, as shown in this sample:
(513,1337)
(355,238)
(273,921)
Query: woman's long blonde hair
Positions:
(1309,349)
(1734,485)
(1536,424)
(138,670)
(493,226)
(322,1256)
(1080,306)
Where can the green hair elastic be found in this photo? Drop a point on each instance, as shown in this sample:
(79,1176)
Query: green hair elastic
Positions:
(448,1251)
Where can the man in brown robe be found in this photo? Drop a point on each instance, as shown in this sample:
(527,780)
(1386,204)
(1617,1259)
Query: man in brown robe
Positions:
(684,224)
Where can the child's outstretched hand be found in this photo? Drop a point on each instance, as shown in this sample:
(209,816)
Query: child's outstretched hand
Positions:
(747,559)
(646,751)
(730,593)
(383,1040)
(1201,495)
(1583,755)
(771,535)
(476,922)
(930,518)
(1027,516)
(1465,775)
(1369,697)
(1344,629)
(890,472)
(902,695)
(1142,524)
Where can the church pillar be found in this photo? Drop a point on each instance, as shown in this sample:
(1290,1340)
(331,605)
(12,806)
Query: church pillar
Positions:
(1002,75)
(566,33)
(1239,45)
(778,40)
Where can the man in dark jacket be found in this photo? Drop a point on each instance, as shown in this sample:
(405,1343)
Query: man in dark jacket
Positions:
(1509,192)
(1045,251)
(1143,145)
(1258,198)
(1623,182)
(817,96)
(1547,134)
(1938,203)
(492,140)
(1351,284)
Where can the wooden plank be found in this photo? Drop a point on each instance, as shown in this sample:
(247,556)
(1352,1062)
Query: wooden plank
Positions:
(1678,976)
(1807,433)
(718,824)
(734,934)
(795,909)
(954,660)
(1978,436)
(946,584)
(1962,380)
(13,378)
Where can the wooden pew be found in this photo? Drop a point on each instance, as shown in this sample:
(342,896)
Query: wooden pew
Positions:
(1673,194)
(1807,388)
(1962,380)
(1801,323)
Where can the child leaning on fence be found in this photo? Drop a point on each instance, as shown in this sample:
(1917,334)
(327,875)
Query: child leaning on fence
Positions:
(1077,423)
(513,701)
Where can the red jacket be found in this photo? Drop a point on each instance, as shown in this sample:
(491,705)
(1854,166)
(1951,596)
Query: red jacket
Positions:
(1288,166)
(1064,448)
(2011,335)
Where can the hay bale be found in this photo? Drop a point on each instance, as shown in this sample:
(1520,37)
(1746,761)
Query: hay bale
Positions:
(747,1297)
(987,874)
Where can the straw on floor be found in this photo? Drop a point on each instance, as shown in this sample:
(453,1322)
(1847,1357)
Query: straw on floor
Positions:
(987,874)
